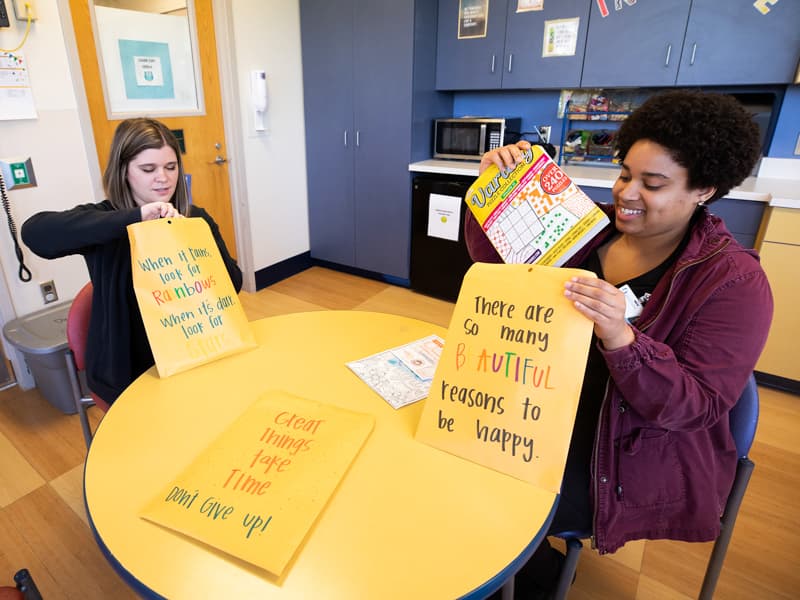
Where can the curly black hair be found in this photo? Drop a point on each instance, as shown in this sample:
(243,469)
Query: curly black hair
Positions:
(711,135)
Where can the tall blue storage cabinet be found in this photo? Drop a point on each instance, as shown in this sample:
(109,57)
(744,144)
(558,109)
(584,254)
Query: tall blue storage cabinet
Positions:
(368,79)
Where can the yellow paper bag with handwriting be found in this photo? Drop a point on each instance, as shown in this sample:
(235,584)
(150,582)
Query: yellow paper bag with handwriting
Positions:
(191,312)
(507,385)
(258,488)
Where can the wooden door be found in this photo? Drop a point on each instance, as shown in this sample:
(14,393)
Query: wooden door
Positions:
(204,134)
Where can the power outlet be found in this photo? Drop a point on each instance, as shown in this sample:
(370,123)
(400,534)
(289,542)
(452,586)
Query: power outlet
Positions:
(49,292)
(21,11)
(544,133)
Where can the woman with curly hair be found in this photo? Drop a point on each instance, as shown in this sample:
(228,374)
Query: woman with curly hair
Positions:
(651,454)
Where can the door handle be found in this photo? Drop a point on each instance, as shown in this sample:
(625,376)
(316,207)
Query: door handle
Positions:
(219,160)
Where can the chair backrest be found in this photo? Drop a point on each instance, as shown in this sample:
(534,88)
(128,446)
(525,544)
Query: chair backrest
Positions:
(78,325)
(744,418)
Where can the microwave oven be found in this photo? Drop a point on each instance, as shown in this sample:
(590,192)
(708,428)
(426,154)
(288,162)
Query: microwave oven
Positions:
(468,138)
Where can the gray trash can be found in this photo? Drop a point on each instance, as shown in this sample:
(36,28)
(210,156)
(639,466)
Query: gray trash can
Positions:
(42,338)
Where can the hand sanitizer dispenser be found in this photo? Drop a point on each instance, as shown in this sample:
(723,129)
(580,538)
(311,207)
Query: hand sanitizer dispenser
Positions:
(258,92)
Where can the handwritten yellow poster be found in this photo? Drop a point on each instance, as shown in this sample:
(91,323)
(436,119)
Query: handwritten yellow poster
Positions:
(256,491)
(507,385)
(190,309)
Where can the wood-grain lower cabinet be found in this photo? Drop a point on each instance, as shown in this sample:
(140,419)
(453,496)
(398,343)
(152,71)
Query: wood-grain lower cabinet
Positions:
(780,255)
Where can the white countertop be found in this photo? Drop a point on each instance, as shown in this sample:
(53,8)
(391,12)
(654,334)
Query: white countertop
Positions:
(784,193)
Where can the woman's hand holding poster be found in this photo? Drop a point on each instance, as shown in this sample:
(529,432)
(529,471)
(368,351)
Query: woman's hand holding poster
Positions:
(190,309)
(507,385)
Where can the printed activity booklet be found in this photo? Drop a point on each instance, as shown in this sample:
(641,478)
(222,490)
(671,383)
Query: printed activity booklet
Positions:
(534,213)
(401,375)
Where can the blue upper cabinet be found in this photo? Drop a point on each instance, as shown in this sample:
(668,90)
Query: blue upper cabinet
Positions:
(639,45)
(732,42)
(515,53)
(692,42)
(539,45)
(470,63)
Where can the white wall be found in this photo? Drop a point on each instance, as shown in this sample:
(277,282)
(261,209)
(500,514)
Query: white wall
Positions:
(267,37)
(54,142)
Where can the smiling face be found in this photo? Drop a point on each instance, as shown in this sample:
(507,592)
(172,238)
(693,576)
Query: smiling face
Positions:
(153,175)
(651,195)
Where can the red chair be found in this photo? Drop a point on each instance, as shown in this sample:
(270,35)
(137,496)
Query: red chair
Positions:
(77,334)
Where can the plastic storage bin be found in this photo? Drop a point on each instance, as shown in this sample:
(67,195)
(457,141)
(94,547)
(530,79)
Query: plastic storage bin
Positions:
(42,338)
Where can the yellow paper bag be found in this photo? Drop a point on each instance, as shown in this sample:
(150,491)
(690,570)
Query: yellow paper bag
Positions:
(258,488)
(191,312)
(507,385)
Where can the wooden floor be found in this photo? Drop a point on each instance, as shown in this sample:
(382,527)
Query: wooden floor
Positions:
(43,525)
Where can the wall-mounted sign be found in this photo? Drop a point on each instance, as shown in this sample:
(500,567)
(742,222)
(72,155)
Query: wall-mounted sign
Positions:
(146,70)
(527,5)
(560,37)
(473,17)
(16,98)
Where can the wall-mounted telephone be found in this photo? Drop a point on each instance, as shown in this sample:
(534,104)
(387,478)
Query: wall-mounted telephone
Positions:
(4,14)
(24,272)
(258,97)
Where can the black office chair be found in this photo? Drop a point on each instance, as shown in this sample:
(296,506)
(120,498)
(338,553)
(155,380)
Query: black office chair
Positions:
(743,419)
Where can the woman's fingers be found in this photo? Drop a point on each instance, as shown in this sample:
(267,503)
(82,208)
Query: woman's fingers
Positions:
(505,157)
(604,304)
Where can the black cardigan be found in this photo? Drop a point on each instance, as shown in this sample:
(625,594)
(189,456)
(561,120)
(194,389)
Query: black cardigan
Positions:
(117,347)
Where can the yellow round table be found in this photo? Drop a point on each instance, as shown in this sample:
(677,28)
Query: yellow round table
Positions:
(407,520)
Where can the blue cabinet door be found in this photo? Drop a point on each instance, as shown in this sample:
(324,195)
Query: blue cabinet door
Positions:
(383,57)
(473,63)
(733,43)
(326,38)
(524,66)
(639,45)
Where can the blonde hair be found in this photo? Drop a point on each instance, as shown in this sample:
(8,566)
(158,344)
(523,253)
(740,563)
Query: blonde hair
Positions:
(132,137)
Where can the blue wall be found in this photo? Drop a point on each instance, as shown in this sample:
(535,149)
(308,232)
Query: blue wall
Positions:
(788,127)
(541,108)
(533,107)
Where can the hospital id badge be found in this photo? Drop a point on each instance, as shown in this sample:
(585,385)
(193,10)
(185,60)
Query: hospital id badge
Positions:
(633,308)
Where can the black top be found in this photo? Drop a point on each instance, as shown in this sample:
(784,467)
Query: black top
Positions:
(117,348)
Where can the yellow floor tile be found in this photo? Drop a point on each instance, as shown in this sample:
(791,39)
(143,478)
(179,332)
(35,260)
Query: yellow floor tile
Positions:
(17,476)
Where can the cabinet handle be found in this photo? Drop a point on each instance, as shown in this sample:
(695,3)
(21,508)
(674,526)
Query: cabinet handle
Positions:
(345,138)
(493,57)
(694,51)
(510,58)
(669,51)
(358,138)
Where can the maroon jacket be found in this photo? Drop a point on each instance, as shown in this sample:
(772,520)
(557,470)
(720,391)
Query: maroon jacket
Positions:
(664,458)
